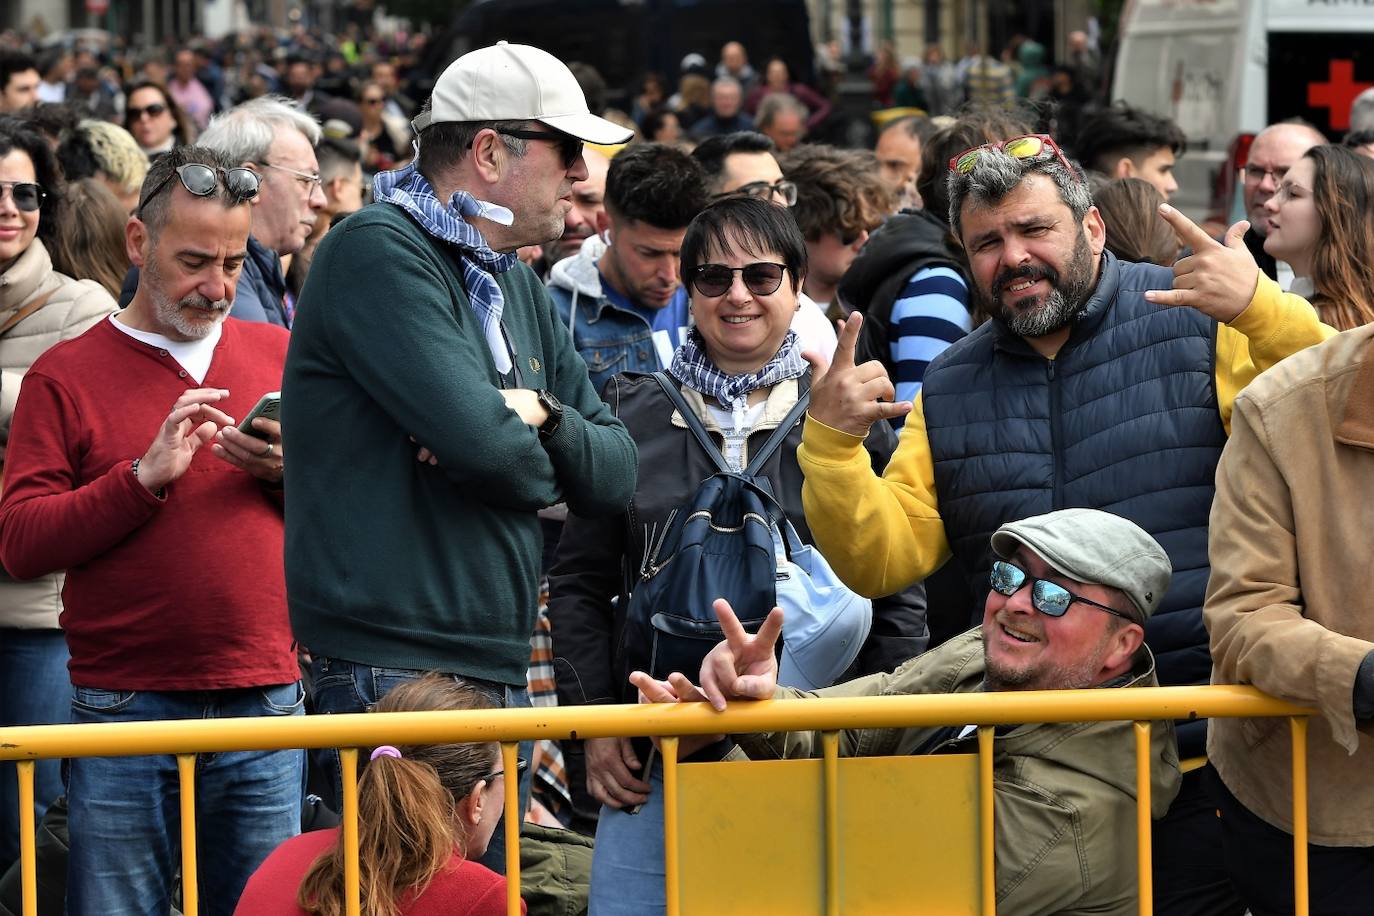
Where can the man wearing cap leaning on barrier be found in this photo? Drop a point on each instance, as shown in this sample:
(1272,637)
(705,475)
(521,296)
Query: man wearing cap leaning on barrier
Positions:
(175,599)
(419,329)
(1095,384)
(1070,592)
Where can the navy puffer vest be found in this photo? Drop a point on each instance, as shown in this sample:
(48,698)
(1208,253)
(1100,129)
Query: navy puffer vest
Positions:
(1124,419)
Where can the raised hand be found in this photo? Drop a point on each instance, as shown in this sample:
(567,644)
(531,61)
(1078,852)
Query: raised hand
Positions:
(743,667)
(847,397)
(192,423)
(1217,280)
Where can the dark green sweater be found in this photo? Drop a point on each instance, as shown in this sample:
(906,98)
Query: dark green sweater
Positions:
(395,563)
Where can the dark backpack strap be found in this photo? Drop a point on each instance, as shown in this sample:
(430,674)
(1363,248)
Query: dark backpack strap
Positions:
(773,442)
(669,386)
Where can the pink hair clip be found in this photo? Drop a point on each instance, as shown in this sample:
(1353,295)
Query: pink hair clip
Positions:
(385,750)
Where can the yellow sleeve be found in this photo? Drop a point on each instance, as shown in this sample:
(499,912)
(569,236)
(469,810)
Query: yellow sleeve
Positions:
(880,534)
(1274,325)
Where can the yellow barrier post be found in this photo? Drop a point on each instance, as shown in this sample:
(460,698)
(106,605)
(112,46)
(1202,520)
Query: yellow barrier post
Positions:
(348,772)
(1144,852)
(672,878)
(985,823)
(28,862)
(830,743)
(190,887)
(509,751)
(1299,733)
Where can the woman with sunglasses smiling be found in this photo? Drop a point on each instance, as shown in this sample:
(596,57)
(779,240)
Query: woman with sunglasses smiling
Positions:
(38,308)
(155,119)
(741,370)
(426,812)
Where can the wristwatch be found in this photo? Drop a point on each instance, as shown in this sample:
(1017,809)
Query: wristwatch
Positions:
(555,409)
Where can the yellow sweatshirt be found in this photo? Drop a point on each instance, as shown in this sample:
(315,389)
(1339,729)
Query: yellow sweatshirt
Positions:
(881,534)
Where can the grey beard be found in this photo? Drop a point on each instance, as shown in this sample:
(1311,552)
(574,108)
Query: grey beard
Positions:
(1056,312)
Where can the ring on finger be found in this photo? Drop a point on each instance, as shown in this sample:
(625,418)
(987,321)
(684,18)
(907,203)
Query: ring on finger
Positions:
(271,447)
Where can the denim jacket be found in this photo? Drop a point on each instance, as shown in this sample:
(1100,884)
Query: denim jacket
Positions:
(609,338)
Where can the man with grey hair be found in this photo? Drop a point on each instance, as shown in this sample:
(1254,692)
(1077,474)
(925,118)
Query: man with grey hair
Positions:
(420,330)
(1069,593)
(1084,389)
(782,119)
(725,116)
(274,137)
(175,602)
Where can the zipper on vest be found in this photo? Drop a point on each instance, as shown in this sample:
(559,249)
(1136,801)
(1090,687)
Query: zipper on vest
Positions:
(1056,439)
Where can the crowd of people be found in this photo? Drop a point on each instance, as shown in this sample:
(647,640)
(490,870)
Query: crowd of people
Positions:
(1040,429)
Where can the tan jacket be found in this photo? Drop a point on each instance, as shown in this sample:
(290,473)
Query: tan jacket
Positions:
(72,306)
(1289,607)
(1064,792)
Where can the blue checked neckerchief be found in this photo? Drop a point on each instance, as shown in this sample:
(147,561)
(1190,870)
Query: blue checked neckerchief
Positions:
(693,368)
(408,189)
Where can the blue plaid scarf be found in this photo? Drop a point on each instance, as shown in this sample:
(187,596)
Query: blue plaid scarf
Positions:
(408,189)
(693,368)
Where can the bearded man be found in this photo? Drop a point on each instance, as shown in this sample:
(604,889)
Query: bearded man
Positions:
(125,468)
(1090,387)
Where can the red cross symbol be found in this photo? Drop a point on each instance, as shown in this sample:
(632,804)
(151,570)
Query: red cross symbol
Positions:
(1337,93)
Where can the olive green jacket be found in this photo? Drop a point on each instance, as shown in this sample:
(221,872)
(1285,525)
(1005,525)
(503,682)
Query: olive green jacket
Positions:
(1064,793)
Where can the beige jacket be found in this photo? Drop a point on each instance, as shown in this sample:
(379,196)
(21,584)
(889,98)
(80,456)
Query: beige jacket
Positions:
(72,306)
(1289,607)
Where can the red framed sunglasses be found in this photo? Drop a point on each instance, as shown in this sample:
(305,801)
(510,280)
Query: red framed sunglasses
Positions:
(1031,146)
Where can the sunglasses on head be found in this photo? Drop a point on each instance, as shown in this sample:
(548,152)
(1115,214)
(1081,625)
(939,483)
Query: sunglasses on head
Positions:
(1047,597)
(762,278)
(200,180)
(1031,146)
(782,189)
(568,146)
(26,195)
(151,111)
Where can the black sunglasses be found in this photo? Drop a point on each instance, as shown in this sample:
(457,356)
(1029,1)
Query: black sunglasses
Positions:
(569,146)
(151,111)
(784,189)
(200,180)
(521,764)
(1046,597)
(26,195)
(762,278)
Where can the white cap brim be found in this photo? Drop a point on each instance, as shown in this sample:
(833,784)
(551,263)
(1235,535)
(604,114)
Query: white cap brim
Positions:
(590,129)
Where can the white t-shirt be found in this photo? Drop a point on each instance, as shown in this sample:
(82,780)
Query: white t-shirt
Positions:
(192,355)
(814,330)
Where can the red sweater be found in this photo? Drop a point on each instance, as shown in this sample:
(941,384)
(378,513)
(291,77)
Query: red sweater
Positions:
(463,888)
(181,593)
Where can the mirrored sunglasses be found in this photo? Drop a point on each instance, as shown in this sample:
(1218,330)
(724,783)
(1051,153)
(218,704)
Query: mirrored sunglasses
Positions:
(1048,598)
(26,195)
(200,180)
(762,278)
(1031,146)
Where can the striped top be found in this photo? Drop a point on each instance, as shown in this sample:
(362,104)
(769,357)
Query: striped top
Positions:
(930,314)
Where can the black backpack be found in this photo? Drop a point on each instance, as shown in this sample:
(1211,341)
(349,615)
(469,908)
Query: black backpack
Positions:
(719,545)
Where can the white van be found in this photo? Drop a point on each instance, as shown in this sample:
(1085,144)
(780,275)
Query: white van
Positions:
(1223,69)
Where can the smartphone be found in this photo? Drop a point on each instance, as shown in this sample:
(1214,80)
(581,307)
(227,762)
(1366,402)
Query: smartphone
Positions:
(269,406)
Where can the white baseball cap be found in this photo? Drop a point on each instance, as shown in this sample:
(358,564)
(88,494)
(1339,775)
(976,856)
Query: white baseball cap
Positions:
(507,82)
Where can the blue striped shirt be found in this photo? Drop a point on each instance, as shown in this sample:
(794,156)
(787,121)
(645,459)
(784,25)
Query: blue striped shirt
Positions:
(930,314)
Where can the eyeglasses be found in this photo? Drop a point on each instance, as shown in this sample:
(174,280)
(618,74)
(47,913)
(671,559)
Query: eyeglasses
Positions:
(376,101)
(1254,174)
(569,146)
(152,111)
(521,764)
(26,195)
(1031,146)
(199,179)
(783,189)
(1046,597)
(310,180)
(762,278)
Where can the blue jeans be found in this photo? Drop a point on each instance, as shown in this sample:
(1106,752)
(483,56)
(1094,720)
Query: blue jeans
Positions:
(339,686)
(627,860)
(125,819)
(34,690)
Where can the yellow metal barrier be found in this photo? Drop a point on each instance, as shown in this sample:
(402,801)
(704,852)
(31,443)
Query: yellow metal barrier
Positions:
(186,738)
